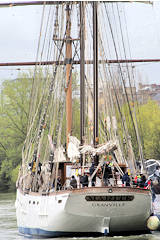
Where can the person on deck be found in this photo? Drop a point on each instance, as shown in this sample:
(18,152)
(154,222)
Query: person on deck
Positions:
(91,171)
(39,167)
(126,180)
(59,184)
(84,180)
(33,166)
(73,182)
(138,178)
(106,170)
(143,180)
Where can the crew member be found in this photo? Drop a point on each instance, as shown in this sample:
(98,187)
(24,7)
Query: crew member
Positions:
(126,180)
(91,171)
(73,182)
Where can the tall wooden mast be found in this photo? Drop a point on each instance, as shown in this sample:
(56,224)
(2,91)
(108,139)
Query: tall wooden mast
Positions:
(68,73)
(95,79)
(82,72)
(95,74)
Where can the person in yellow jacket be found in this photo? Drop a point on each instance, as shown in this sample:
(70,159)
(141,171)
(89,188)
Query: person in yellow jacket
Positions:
(34,167)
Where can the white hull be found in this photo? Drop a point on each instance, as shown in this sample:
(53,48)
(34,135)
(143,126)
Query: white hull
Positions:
(69,213)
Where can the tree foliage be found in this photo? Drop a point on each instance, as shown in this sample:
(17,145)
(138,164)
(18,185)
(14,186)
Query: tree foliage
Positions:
(14,105)
(148,120)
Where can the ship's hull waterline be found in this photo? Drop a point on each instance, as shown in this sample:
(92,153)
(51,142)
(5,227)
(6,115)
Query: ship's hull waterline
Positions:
(100,210)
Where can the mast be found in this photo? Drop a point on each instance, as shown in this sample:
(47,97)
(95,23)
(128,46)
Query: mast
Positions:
(95,79)
(95,74)
(68,61)
(82,72)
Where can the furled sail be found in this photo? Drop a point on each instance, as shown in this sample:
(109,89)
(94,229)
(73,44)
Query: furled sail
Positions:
(74,148)
(59,155)
(102,149)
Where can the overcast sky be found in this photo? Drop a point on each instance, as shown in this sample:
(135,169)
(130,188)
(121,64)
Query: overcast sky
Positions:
(144,35)
(19,33)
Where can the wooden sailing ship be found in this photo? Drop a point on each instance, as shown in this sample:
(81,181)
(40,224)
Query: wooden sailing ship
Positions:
(47,204)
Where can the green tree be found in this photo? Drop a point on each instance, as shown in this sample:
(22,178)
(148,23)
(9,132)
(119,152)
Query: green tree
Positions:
(14,105)
(148,121)
(149,118)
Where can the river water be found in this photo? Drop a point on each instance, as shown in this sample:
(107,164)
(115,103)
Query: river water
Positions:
(8,227)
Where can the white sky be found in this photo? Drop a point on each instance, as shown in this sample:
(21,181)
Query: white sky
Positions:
(19,33)
(144,35)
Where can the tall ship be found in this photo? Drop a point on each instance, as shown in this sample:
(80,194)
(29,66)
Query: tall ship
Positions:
(78,149)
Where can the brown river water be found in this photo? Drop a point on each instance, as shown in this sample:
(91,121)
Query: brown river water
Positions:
(8,227)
